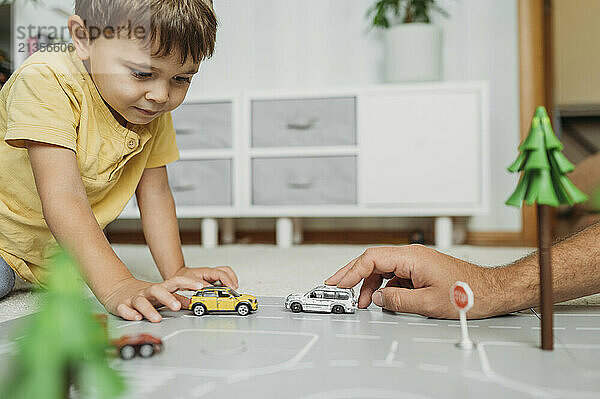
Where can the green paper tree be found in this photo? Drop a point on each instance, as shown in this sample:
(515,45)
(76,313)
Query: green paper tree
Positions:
(544,183)
(544,168)
(64,345)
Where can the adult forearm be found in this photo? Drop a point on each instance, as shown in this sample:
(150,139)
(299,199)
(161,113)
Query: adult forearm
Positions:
(161,231)
(576,265)
(575,273)
(74,226)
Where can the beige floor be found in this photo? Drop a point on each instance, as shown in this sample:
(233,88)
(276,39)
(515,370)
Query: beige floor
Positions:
(263,270)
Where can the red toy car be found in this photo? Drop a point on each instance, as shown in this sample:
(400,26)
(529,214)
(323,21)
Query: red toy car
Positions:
(144,345)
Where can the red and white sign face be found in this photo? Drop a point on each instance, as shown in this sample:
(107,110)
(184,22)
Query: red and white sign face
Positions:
(461,296)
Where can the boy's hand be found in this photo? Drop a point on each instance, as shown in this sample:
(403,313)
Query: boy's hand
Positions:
(133,299)
(209,275)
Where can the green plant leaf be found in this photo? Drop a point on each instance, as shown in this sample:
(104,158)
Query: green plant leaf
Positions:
(386,13)
(62,344)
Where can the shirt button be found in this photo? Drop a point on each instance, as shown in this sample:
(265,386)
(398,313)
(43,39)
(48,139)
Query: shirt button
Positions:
(131,143)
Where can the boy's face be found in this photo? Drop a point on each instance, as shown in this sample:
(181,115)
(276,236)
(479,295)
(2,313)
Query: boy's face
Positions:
(136,86)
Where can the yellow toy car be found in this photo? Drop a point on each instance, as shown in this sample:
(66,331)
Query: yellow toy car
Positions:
(222,299)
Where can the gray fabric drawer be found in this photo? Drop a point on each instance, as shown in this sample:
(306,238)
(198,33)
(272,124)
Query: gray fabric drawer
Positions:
(304,122)
(201,182)
(304,181)
(203,125)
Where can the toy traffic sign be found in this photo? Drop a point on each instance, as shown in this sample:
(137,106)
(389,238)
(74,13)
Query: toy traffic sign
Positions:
(462,299)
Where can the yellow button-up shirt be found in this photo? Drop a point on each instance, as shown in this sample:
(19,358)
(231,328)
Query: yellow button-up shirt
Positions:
(52,99)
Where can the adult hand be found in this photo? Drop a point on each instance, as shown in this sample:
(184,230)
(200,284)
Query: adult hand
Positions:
(419,282)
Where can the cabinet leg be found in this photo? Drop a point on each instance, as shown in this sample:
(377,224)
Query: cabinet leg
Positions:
(284,232)
(298,231)
(210,233)
(459,231)
(443,232)
(228,231)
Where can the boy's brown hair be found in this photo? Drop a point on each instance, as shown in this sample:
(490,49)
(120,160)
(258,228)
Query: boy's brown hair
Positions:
(186,26)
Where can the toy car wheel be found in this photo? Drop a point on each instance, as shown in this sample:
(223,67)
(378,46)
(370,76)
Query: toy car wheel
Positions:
(338,309)
(146,350)
(243,309)
(127,352)
(199,309)
(296,307)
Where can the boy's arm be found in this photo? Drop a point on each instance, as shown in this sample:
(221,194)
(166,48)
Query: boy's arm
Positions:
(159,222)
(70,218)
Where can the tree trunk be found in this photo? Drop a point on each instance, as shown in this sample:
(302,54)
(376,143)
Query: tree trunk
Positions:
(545,260)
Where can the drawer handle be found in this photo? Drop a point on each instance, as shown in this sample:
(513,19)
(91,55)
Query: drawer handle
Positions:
(185,187)
(301,123)
(300,184)
(184,131)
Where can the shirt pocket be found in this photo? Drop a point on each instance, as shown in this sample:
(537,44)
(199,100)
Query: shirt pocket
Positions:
(101,158)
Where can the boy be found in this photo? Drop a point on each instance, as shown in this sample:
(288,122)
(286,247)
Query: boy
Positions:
(81,130)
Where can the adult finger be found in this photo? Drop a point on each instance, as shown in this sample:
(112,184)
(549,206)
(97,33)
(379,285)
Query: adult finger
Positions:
(233,277)
(143,305)
(337,276)
(404,300)
(370,285)
(361,268)
(128,313)
(382,260)
(400,282)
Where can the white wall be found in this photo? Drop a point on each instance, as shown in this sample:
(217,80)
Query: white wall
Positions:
(42,17)
(271,44)
(275,44)
(481,42)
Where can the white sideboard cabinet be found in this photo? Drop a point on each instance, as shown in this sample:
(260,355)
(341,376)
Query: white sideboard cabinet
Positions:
(386,150)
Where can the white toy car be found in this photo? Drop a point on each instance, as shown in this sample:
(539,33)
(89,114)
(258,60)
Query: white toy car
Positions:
(324,298)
